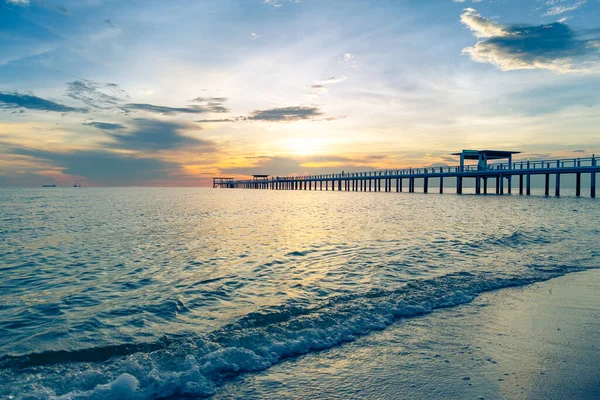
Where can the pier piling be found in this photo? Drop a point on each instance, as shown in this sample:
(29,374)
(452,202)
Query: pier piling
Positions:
(358,182)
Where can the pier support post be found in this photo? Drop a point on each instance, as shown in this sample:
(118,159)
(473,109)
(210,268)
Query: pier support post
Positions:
(458,185)
(340,185)
(547,185)
(578,184)
(593,179)
(509,188)
(400,179)
(557,186)
(498,184)
(501,180)
(425,184)
(521,184)
(477,185)
(397,185)
(441,185)
(485,185)
(370,181)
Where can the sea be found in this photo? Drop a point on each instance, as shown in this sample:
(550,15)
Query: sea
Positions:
(160,293)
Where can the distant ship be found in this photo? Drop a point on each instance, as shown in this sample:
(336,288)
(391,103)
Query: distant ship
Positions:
(53,185)
(77,184)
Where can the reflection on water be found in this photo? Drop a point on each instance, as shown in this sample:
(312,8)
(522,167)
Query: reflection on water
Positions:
(102,268)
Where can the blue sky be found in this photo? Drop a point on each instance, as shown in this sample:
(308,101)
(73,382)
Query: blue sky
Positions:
(174,92)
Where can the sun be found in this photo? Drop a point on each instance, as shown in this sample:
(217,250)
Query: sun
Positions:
(304,146)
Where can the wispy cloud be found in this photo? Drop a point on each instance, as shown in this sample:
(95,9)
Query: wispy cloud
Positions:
(281,114)
(94,94)
(552,46)
(285,114)
(558,7)
(18,2)
(332,80)
(105,126)
(278,3)
(192,109)
(320,89)
(16,100)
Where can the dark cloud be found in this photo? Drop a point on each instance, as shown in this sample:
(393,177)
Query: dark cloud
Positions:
(94,94)
(194,109)
(106,126)
(552,46)
(285,114)
(153,135)
(105,167)
(16,100)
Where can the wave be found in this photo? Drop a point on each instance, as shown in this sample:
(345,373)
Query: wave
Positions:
(196,365)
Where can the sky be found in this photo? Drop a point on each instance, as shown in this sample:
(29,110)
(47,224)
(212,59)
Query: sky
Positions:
(172,93)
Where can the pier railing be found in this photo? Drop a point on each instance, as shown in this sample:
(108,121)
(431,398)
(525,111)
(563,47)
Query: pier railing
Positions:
(499,171)
(520,165)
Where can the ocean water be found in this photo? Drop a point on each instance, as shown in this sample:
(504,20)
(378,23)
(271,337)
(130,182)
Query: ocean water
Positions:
(151,293)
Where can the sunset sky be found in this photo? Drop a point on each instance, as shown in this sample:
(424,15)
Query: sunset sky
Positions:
(171,93)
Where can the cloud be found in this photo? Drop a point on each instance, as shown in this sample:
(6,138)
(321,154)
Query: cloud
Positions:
(277,3)
(482,27)
(282,114)
(105,126)
(557,9)
(323,164)
(211,105)
(16,100)
(210,99)
(285,114)
(320,89)
(154,135)
(238,119)
(332,80)
(552,46)
(348,61)
(18,2)
(104,167)
(94,94)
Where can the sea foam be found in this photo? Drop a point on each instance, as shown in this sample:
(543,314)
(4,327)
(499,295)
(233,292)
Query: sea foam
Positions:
(196,365)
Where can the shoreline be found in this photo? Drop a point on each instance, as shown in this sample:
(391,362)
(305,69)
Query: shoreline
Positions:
(537,341)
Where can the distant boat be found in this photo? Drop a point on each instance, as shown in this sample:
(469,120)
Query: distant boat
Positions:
(53,185)
(77,184)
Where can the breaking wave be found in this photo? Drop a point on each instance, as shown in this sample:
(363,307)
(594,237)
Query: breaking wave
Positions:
(195,365)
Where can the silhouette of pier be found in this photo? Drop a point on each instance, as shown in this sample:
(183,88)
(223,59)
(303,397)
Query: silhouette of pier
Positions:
(501,174)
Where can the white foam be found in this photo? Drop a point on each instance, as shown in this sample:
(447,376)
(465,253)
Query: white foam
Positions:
(197,366)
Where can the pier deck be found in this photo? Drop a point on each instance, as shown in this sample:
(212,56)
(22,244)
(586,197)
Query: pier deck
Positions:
(389,180)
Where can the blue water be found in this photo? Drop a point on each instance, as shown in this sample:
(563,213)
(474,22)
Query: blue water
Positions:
(154,293)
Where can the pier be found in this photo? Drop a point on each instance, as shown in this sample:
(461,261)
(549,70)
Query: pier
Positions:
(488,177)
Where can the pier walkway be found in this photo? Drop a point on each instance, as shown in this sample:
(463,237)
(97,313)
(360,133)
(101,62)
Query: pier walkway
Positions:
(500,174)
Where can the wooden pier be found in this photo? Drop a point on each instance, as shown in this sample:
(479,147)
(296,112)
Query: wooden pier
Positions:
(483,173)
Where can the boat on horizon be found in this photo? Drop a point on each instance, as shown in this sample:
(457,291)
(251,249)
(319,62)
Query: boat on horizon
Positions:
(49,186)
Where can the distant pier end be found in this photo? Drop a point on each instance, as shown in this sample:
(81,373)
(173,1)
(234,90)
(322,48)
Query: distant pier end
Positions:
(498,173)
